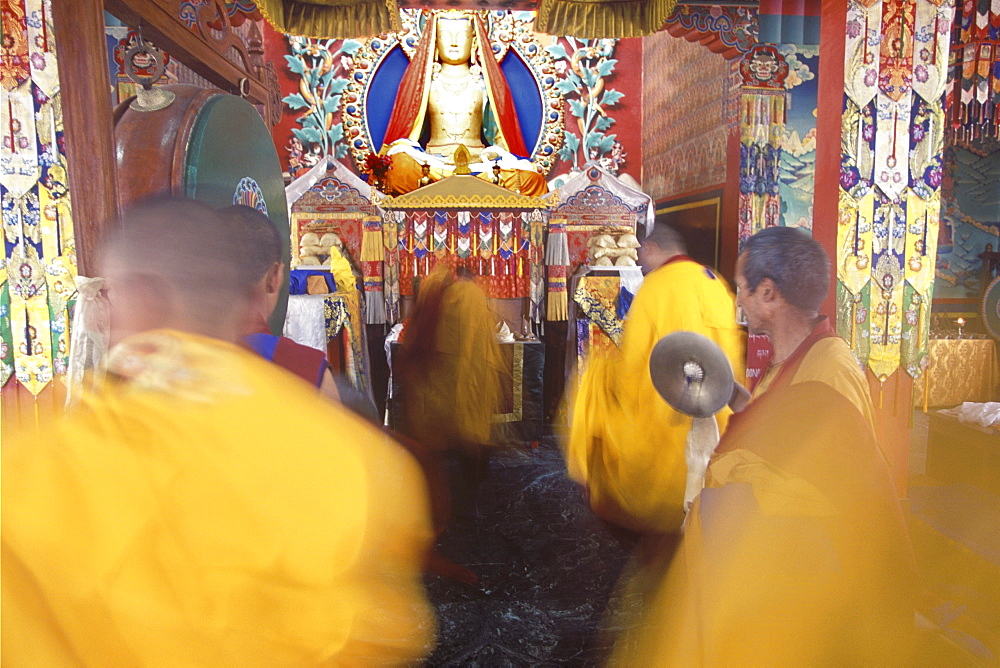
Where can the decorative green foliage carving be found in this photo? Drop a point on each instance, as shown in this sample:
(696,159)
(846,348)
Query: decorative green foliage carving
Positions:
(586,65)
(322,67)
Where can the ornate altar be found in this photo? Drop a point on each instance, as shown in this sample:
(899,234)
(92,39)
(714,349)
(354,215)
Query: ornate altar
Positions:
(589,260)
(330,207)
(494,234)
(595,199)
(329,199)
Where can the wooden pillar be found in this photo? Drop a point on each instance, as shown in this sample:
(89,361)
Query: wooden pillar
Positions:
(85,83)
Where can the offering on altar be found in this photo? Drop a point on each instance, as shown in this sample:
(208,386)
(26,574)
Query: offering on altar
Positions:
(613,247)
(316,240)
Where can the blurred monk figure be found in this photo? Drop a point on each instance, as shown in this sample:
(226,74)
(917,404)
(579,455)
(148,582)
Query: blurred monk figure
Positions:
(204,507)
(796,552)
(626,446)
(259,246)
(451,370)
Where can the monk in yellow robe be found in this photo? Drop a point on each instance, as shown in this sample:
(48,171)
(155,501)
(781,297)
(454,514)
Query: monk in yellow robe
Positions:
(451,369)
(450,363)
(796,552)
(625,444)
(206,507)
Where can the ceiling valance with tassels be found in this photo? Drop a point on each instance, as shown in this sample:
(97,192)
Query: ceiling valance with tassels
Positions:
(343,19)
(332,19)
(602,18)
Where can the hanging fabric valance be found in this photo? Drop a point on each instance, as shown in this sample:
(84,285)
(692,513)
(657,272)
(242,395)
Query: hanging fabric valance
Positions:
(974,73)
(332,19)
(788,21)
(603,18)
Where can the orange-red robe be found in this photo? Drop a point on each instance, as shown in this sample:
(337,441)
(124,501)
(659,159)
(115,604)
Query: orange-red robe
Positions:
(796,552)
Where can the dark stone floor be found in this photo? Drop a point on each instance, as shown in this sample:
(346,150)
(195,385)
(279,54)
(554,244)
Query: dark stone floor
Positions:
(547,569)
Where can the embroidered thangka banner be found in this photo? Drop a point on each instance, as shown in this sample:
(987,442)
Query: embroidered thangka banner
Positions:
(762,123)
(39,265)
(974,81)
(893,127)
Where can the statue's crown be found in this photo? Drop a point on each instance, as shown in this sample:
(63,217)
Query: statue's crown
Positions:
(455,14)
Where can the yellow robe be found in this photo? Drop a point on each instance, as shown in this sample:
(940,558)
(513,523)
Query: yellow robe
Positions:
(208,508)
(626,444)
(829,361)
(451,364)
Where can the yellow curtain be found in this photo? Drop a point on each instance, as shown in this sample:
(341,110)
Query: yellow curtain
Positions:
(332,19)
(603,18)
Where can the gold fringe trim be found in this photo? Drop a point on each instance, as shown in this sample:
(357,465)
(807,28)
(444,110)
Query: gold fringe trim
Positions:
(603,18)
(557,306)
(372,249)
(344,20)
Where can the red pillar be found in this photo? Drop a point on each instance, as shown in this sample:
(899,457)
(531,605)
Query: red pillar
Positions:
(829,110)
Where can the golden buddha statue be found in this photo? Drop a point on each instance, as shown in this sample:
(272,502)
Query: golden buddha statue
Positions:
(455,94)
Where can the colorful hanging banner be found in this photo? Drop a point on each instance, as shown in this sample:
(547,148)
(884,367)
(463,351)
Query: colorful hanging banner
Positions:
(891,174)
(39,265)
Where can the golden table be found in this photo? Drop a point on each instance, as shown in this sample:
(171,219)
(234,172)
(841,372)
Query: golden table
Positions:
(960,370)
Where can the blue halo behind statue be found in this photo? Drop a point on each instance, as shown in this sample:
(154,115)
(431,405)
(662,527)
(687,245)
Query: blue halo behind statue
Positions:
(384,85)
(527,97)
(382,92)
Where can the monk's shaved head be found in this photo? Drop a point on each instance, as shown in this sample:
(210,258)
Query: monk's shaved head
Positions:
(172,264)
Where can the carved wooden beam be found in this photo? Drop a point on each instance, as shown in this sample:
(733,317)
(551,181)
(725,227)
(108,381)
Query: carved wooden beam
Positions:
(85,86)
(201,53)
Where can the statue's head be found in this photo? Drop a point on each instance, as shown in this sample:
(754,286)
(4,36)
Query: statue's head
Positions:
(454,38)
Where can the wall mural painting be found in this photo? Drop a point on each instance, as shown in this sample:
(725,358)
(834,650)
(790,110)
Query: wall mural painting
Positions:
(777,136)
(563,90)
(970,220)
(39,264)
(684,125)
(896,58)
(798,140)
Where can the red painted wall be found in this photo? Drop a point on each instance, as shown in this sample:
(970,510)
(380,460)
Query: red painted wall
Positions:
(275,49)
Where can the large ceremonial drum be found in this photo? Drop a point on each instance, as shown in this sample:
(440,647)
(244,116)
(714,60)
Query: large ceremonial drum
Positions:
(205,145)
(990,308)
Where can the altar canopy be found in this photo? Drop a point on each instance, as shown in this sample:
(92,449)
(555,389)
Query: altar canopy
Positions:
(329,198)
(595,198)
(330,211)
(330,208)
(591,203)
(494,234)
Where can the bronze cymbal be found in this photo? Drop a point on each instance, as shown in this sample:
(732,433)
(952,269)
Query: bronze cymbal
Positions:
(691,373)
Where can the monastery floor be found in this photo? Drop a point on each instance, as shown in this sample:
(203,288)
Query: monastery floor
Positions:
(548,567)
